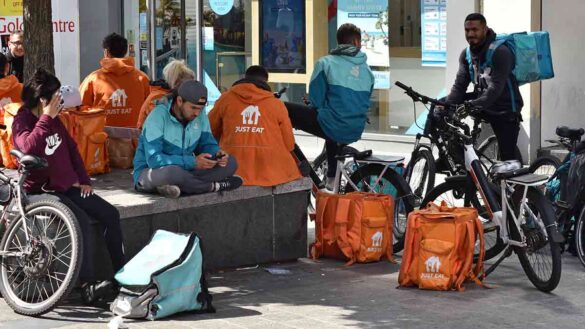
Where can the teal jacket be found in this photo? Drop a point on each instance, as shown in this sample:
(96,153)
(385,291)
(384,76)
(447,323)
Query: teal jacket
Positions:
(165,141)
(340,89)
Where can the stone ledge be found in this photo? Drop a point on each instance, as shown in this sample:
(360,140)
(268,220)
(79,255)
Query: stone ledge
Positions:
(114,187)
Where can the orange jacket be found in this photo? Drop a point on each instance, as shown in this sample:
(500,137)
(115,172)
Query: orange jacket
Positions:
(156,93)
(119,88)
(10,90)
(252,125)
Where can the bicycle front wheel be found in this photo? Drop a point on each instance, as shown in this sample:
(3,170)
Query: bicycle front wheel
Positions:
(368,178)
(420,174)
(580,237)
(541,258)
(39,272)
(454,193)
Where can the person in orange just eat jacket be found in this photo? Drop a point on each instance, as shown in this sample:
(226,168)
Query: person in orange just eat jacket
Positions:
(175,72)
(10,88)
(253,125)
(118,87)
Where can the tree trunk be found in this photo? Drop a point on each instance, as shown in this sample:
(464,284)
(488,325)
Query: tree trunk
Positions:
(38,37)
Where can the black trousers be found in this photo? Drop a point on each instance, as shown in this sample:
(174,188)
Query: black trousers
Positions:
(506,132)
(305,118)
(85,209)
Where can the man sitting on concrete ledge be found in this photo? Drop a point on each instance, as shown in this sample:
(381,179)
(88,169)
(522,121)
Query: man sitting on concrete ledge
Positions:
(177,152)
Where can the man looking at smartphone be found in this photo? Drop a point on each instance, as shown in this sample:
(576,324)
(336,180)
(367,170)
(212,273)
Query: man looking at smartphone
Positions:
(177,154)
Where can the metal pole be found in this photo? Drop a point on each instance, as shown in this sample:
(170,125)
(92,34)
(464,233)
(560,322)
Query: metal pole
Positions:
(152,39)
(183,25)
(199,27)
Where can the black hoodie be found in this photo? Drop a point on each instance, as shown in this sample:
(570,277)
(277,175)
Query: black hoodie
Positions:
(492,92)
(16,65)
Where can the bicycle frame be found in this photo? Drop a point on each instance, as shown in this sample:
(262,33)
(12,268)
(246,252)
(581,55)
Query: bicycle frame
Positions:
(18,197)
(498,211)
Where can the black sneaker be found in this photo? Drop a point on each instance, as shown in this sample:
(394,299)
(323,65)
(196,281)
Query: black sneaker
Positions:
(97,291)
(230,183)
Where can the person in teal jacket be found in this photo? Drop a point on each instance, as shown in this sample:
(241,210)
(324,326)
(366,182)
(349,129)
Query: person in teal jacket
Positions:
(339,95)
(177,152)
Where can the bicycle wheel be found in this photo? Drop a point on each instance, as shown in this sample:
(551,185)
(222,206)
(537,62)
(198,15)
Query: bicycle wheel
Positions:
(40,272)
(545,165)
(541,258)
(420,174)
(453,193)
(580,237)
(367,179)
(491,150)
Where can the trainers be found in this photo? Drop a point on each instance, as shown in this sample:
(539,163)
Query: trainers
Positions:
(228,184)
(92,292)
(170,191)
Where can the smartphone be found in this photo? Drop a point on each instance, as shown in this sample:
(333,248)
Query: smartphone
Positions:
(221,155)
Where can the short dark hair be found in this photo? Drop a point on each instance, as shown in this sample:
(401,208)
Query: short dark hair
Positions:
(257,72)
(116,45)
(476,17)
(3,62)
(347,33)
(42,84)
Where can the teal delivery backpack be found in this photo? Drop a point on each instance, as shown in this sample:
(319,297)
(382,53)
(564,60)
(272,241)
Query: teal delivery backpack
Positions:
(164,278)
(533,59)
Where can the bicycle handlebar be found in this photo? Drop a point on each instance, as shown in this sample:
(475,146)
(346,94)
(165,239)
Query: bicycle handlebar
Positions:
(419,97)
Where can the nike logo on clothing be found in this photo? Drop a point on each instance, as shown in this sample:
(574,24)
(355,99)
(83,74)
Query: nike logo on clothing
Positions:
(53,143)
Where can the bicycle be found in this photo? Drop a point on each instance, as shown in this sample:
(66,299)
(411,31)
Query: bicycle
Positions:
(570,213)
(515,214)
(41,249)
(362,171)
(422,167)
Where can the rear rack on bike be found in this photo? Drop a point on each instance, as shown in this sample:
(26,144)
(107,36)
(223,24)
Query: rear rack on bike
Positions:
(382,159)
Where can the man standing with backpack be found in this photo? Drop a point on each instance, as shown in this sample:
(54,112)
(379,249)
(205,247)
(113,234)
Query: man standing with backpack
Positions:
(489,65)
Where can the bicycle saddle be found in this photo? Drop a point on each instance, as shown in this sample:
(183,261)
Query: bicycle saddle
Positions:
(573,134)
(28,161)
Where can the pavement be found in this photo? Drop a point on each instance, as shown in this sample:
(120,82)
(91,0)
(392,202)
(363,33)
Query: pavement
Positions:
(328,294)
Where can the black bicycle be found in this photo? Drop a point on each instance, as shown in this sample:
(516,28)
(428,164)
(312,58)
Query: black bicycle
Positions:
(569,205)
(41,248)
(423,166)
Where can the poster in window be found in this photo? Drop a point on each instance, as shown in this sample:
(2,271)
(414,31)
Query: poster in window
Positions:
(283,38)
(371,16)
(434,32)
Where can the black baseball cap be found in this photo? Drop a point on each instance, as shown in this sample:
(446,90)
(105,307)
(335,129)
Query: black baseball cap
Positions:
(192,91)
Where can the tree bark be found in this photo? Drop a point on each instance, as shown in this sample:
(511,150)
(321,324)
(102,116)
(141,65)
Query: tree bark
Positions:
(38,37)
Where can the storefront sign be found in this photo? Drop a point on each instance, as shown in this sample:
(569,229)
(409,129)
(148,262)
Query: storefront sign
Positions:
(371,16)
(65,34)
(221,7)
(434,32)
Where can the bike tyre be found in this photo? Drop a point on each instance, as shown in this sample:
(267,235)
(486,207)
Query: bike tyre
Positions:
(544,207)
(428,174)
(72,274)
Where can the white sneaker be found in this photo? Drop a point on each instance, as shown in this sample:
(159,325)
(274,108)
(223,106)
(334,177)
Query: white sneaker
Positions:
(170,191)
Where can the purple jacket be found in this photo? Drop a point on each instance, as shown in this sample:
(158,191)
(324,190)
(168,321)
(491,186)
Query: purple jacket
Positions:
(47,138)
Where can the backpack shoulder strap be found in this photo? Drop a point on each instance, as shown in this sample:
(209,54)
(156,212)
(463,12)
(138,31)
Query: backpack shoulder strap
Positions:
(489,56)
(470,64)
